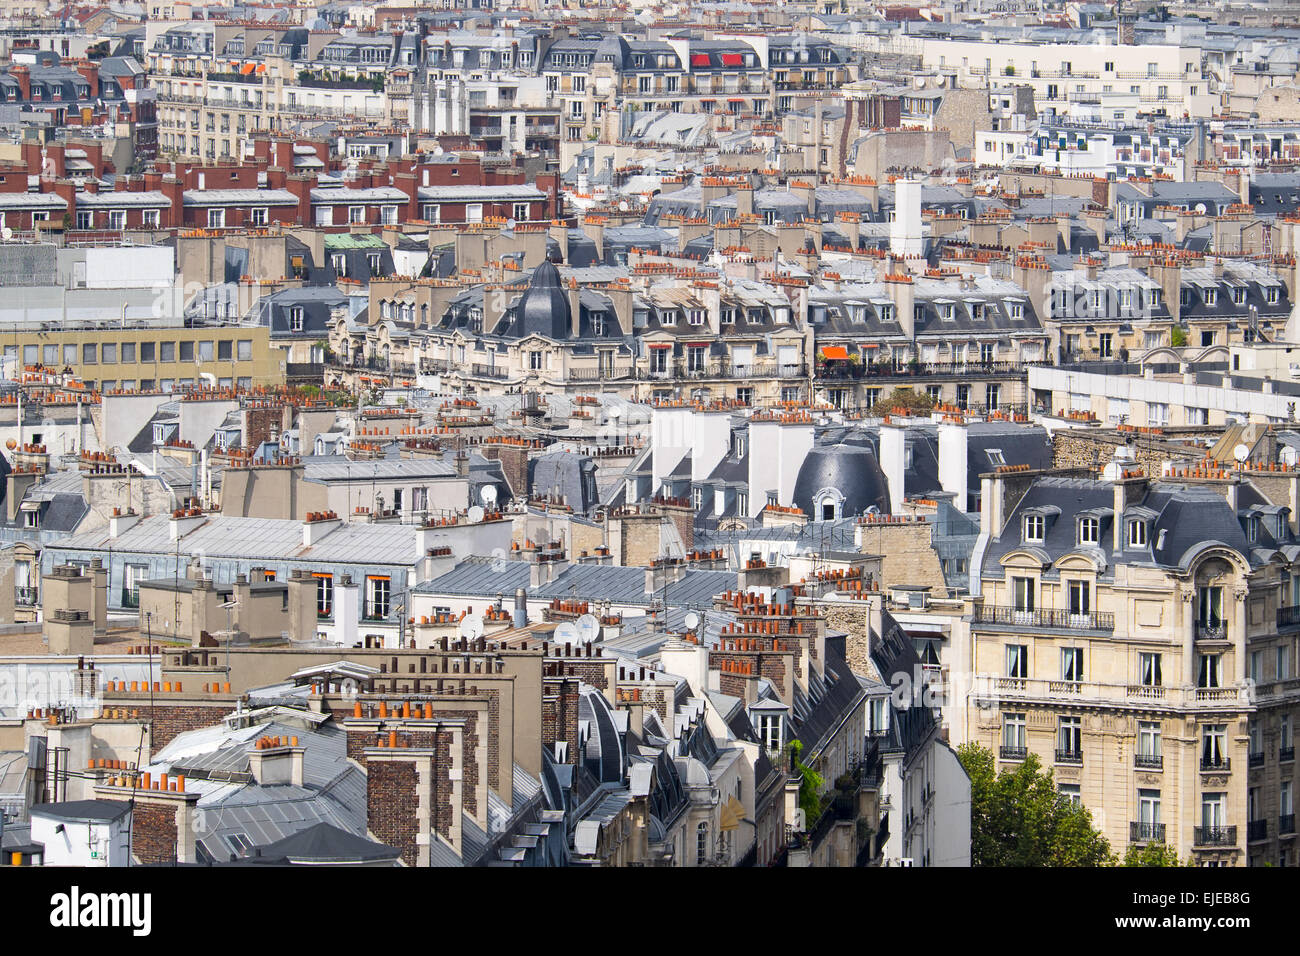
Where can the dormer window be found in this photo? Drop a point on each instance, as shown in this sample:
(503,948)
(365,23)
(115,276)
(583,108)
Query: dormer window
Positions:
(769,728)
(1211,296)
(1089,530)
(1252,529)
(1270,295)
(1034,525)
(1137,533)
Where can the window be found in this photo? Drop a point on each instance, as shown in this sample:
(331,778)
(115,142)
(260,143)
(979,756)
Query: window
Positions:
(108,353)
(702,843)
(1034,527)
(770,730)
(244,350)
(1137,533)
(1214,811)
(85,220)
(1209,673)
(89,354)
(1013,735)
(1072,664)
(1149,811)
(167,352)
(378,592)
(187,351)
(216,218)
(205,351)
(356,215)
(324,595)
(1209,613)
(117,220)
(1149,669)
(1148,741)
(474,212)
(128,352)
(225,351)
(295,319)
(1089,530)
(1283,662)
(1022,590)
(535,360)
(1069,739)
(134,574)
(1079,594)
(1018,661)
(1214,745)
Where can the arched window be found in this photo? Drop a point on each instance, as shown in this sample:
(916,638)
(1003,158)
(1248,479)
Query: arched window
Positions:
(701,843)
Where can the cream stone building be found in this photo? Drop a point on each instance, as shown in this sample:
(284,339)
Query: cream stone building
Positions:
(1118,633)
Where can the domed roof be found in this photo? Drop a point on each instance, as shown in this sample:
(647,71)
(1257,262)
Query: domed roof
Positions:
(544,308)
(850,473)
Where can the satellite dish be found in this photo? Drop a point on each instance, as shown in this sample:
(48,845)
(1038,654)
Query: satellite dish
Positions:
(7,233)
(1240,452)
(510,224)
(692,620)
(588,628)
(471,627)
(488,496)
(475,514)
(566,633)
(615,413)
(1112,471)
(623,206)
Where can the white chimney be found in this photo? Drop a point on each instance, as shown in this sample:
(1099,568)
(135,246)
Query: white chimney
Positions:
(905,230)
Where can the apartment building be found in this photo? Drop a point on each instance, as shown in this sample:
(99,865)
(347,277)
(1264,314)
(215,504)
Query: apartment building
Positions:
(1113,632)
(169,359)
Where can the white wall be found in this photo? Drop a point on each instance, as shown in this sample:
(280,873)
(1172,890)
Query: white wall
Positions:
(130,267)
(82,843)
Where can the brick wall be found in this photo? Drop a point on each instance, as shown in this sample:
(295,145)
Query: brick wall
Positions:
(392,806)
(168,720)
(153,833)
(560,714)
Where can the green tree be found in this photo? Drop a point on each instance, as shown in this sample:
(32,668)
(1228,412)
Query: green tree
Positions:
(1019,819)
(1153,854)
(811,784)
(1177,336)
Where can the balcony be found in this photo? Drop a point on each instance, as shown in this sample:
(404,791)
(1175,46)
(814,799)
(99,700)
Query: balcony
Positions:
(1013,753)
(1256,759)
(1216,764)
(1211,630)
(1073,757)
(1059,620)
(1214,836)
(1286,824)
(1148,762)
(26,596)
(1288,616)
(840,369)
(1256,830)
(1146,832)
(1285,754)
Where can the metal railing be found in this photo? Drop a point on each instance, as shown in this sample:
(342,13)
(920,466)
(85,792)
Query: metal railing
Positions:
(1215,764)
(1286,824)
(1215,836)
(849,370)
(1289,616)
(1069,756)
(26,596)
(1064,620)
(1149,761)
(1256,830)
(1013,753)
(1285,754)
(1255,759)
(1211,630)
(1139,832)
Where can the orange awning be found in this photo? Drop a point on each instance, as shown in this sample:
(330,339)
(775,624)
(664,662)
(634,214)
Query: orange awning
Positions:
(261,68)
(835,352)
(247,68)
